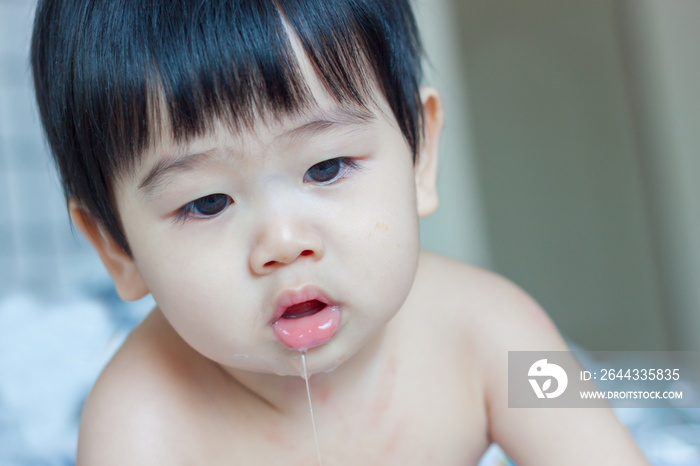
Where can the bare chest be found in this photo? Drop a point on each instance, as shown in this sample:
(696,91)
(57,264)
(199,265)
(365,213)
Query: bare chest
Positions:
(416,415)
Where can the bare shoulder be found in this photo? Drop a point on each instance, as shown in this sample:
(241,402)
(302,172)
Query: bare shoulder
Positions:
(486,305)
(139,406)
(494,316)
(485,314)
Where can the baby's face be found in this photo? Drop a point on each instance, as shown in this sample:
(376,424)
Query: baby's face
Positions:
(302,234)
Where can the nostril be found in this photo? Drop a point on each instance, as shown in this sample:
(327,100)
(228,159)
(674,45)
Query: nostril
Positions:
(286,259)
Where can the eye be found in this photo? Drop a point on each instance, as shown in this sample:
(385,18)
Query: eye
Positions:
(330,170)
(207,206)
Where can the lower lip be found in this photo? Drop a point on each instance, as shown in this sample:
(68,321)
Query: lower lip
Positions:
(308,332)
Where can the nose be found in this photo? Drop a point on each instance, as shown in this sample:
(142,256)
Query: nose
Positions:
(283,241)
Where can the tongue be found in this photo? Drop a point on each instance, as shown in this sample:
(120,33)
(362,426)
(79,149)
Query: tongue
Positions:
(301,331)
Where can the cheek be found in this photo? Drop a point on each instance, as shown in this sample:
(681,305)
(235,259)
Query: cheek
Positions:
(386,216)
(199,292)
(383,240)
(183,263)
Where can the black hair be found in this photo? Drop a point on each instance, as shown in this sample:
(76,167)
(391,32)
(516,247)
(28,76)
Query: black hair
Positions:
(109,73)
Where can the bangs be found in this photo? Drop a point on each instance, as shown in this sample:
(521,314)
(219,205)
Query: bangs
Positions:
(179,71)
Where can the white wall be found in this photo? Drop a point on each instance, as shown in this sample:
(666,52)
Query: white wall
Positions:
(565,203)
(662,42)
(457,228)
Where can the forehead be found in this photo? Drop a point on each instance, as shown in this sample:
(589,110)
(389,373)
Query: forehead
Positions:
(319,113)
(298,127)
(310,98)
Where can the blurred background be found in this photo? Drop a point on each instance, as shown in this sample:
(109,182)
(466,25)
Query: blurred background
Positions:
(571,159)
(570,162)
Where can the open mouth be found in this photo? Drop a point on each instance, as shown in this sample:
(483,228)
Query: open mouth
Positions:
(305,309)
(305,318)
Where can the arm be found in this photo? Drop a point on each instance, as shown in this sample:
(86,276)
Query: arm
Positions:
(539,436)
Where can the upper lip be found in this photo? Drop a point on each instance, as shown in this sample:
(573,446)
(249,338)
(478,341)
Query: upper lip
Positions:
(296,296)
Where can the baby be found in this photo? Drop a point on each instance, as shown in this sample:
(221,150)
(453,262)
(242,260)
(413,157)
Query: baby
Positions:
(259,167)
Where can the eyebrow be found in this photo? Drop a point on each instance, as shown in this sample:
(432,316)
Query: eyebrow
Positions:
(336,118)
(168,166)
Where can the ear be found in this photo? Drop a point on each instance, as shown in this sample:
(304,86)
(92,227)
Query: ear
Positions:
(119,264)
(426,165)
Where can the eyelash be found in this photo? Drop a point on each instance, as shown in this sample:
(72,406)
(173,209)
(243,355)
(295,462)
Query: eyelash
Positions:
(189,210)
(347,164)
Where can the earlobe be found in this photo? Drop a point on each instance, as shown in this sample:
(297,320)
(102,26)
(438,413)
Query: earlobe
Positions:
(119,264)
(427,158)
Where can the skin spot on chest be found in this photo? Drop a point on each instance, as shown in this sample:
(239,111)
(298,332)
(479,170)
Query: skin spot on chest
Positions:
(385,392)
(274,436)
(393,442)
(323,393)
